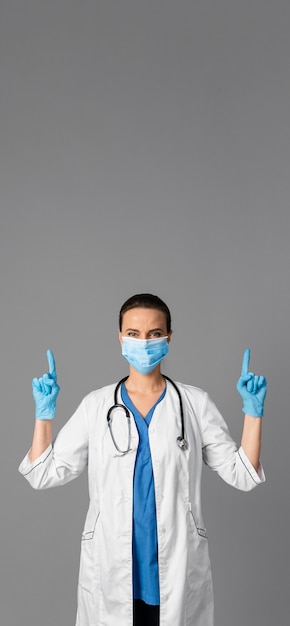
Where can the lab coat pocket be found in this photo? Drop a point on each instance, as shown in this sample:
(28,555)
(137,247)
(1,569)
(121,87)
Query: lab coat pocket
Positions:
(197,527)
(88,571)
(198,564)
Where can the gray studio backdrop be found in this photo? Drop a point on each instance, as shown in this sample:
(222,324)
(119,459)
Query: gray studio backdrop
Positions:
(145,146)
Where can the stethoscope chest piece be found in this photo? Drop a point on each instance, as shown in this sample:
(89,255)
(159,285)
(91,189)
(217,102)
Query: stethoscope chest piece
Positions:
(182,443)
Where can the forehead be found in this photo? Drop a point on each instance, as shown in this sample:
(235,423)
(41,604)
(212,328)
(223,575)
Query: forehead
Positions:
(140,317)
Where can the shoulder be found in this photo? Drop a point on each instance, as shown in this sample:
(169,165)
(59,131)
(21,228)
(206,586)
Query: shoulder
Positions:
(101,394)
(191,396)
(96,403)
(98,398)
(191,391)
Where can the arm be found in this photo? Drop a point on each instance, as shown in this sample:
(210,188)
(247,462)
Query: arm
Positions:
(222,454)
(252,389)
(65,458)
(45,391)
(239,467)
(47,464)
(42,438)
(251,439)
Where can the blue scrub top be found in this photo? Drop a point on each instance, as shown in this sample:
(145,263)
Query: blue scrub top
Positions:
(144,545)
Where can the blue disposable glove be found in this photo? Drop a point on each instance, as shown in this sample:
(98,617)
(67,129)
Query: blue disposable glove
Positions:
(45,391)
(252,388)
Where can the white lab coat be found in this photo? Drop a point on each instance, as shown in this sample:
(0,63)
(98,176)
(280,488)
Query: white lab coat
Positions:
(105,576)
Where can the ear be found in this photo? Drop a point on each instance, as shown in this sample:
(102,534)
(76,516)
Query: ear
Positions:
(169,336)
(120,337)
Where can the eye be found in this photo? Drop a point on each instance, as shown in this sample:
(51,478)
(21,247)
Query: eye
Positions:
(131,333)
(156,333)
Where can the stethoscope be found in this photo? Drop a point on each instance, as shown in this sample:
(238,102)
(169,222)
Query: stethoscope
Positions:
(181,441)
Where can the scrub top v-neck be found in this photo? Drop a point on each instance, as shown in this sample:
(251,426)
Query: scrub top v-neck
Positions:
(144,541)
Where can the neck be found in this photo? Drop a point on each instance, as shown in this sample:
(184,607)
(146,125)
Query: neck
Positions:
(145,383)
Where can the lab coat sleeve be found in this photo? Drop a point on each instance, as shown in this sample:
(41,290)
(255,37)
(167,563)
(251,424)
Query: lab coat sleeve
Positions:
(65,458)
(222,454)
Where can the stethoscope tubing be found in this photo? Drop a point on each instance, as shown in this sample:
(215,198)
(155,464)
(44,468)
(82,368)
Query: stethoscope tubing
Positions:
(181,441)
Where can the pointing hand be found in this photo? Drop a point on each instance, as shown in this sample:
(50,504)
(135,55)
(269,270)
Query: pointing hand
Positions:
(252,388)
(45,391)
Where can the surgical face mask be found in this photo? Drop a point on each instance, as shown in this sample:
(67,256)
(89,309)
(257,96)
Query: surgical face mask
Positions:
(144,354)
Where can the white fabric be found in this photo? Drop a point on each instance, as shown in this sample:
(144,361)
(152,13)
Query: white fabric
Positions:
(105,578)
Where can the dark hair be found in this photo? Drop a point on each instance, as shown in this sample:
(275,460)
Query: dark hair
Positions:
(145,301)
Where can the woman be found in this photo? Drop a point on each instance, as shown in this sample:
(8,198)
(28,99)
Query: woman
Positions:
(144,554)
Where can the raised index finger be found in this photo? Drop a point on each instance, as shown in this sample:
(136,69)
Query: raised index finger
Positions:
(245,362)
(51,363)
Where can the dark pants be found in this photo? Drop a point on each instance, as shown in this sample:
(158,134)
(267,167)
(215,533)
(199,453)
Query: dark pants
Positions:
(145,614)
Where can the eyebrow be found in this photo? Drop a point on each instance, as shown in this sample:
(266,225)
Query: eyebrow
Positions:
(136,330)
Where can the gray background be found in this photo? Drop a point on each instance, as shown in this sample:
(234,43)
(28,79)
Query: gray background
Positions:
(144,147)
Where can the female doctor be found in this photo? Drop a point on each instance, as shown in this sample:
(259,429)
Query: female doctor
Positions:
(144,552)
